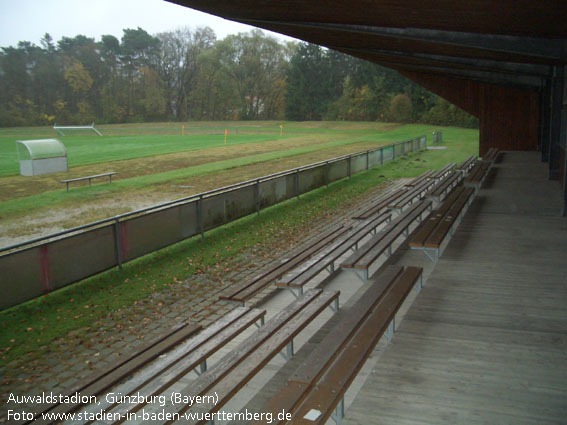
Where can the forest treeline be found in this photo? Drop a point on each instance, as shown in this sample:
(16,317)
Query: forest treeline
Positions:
(190,75)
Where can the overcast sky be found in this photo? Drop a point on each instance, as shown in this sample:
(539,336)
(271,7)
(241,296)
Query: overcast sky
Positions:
(29,20)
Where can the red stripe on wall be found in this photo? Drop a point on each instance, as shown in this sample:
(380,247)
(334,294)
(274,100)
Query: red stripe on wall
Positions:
(124,240)
(44,262)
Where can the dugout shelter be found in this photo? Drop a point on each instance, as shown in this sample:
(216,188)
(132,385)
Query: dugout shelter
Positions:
(42,156)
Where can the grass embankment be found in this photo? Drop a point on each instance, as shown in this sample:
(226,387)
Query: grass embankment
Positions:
(28,330)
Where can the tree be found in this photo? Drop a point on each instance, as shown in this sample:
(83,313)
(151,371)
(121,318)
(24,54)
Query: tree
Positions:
(178,67)
(306,92)
(137,49)
(256,63)
(401,108)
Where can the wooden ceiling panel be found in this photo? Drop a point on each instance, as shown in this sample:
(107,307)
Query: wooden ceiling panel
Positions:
(543,18)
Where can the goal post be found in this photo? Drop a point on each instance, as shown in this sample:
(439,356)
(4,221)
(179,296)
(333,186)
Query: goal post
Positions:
(59,128)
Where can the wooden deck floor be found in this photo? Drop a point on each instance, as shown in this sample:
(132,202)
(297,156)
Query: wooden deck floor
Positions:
(486,339)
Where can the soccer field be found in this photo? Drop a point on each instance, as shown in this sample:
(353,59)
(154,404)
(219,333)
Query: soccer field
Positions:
(132,141)
(90,149)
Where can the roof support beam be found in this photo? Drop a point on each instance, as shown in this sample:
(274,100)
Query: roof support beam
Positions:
(481,65)
(552,49)
(532,83)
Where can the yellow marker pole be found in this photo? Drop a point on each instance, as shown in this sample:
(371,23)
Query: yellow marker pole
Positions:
(225,134)
(182,129)
(281,130)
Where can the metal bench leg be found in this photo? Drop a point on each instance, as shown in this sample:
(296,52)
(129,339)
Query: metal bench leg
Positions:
(335,305)
(261,322)
(390,330)
(418,284)
(202,368)
(363,276)
(339,412)
(296,292)
(331,268)
(288,353)
(433,257)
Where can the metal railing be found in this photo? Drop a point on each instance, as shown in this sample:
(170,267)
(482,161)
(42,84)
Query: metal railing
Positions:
(32,268)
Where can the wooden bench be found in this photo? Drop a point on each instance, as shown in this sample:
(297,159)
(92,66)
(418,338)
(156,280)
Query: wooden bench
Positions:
(491,155)
(169,369)
(361,260)
(380,204)
(242,292)
(476,175)
(466,165)
(433,231)
(421,178)
(325,260)
(325,375)
(100,381)
(234,370)
(443,171)
(417,192)
(89,178)
(444,186)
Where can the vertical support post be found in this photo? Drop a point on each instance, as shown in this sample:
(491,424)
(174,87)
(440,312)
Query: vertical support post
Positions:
(257,196)
(339,413)
(545,120)
(348,166)
(418,284)
(381,156)
(390,330)
(327,173)
(200,217)
(118,243)
(556,122)
(393,151)
(297,183)
(367,159)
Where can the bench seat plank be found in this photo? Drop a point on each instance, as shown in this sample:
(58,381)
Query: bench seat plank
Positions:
(324,353)
(466,164)
(440,173)
(415,192)
(250,287)
(100,381)
(226,377)
(326,395)
(477,173)
(76,179)
(316,264)
(421,178)
(381,203)
(437,236)
(170,369)
(449,180)
(429,224)
(372,249)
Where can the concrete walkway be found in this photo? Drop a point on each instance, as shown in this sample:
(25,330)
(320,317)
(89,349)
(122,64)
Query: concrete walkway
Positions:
(486,339)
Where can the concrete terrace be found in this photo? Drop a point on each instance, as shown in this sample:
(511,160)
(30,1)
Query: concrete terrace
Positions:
(486,339)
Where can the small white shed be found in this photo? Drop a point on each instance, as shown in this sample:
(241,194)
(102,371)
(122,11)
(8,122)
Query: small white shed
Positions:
(41,156)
